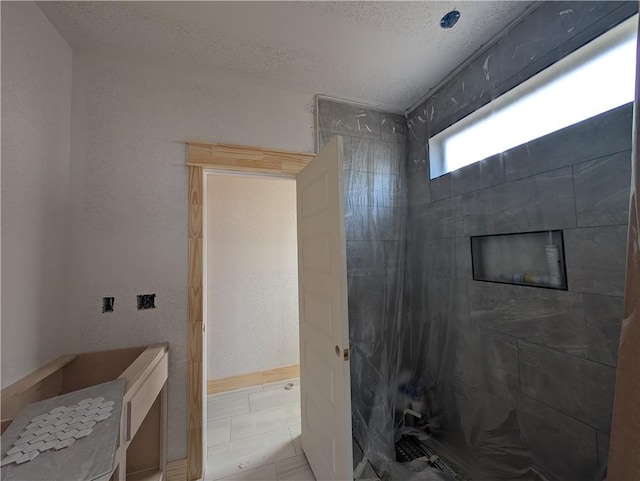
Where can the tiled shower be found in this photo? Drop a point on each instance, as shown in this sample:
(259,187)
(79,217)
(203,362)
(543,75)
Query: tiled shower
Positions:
(510,381)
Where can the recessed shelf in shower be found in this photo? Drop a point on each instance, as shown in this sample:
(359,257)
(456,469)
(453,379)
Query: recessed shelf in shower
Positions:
(528,259)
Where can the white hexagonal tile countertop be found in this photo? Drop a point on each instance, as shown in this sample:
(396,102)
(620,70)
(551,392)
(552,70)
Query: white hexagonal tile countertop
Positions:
(73,436)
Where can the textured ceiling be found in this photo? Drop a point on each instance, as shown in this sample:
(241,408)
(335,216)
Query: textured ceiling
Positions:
(386,54)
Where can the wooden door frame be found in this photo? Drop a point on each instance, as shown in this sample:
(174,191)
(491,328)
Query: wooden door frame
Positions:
(201,156)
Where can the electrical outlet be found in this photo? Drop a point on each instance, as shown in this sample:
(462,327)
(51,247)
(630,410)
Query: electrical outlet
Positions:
(146,301)
(107,304)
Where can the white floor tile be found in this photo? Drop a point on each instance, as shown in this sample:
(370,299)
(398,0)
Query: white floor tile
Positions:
(258,422)
(296,435)
(219,431)
(227,406)
(294,469)
(281,384)
(245,454)
(271,398)
(263,473)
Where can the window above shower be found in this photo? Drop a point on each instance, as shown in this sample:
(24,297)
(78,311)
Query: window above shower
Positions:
(594,79)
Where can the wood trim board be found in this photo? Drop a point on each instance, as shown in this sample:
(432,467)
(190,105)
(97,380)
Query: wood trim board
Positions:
(195,324)
(177,470)
(236,158)
(239,381)
(246,159)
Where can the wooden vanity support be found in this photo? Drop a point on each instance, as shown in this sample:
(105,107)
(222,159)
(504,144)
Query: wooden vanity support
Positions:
(142,451)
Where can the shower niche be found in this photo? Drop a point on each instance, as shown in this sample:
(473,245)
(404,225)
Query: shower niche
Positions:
(528,259)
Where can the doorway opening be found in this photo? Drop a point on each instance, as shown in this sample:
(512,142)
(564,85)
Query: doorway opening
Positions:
(323,320)
(251,353)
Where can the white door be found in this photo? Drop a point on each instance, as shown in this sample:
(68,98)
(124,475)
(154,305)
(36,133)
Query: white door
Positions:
(324,329)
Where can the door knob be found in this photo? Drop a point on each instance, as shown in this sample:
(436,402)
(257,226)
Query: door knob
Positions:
(338,351)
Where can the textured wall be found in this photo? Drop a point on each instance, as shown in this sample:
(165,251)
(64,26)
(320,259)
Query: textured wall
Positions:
(129,193)
(36,130)
(375,210)
(252,275)
(519,379)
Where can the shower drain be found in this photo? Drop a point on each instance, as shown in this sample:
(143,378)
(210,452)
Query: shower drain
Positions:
(408,448)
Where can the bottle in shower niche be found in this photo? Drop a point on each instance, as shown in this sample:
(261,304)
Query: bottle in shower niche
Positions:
(552,252)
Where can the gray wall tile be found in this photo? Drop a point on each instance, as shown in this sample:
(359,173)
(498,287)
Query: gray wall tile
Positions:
(541,202)
(393,127)
(365,258)
(416,228)
(357,188)
(439,258)
(503,377)
(495,424)
(367,188)
(419,187)
(435,219)
(596,259)
(479,323)
(447,305)
(417,144)
(603,315)
(394,254)
(524,52)
(348,119)
(441,187)
(458,216)
(577,387)
(373,156)
(603,447)
(577,143)
(388,158)
(543,316)
(478,175)
(373,223)
(375,215)
(563,449)
(463,258)
(457,97)
(602,190)
(609,15)
(351,285)
(369,301)
(545,29)
(394,295)
(357,156)
(470,350)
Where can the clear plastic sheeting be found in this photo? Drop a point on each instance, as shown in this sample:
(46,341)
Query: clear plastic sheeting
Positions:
(517,381)
(375,214)
(502,381)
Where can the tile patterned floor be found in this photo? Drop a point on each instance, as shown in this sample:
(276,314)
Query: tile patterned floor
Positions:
(253,434)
